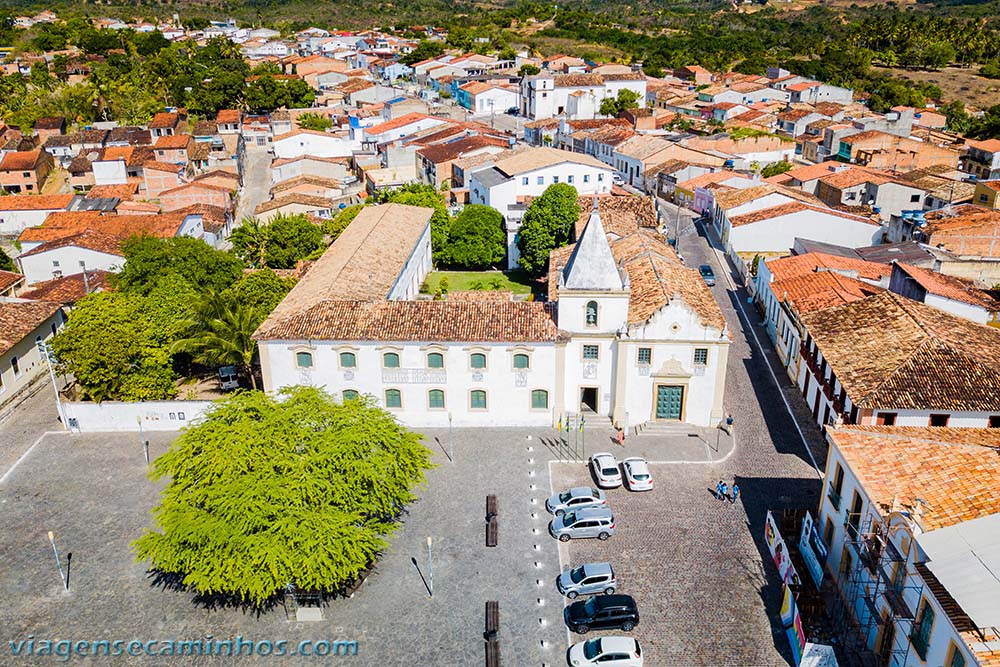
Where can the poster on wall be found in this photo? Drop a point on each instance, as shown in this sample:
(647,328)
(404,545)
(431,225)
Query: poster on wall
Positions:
(813,550)
(792,622)
(779,552)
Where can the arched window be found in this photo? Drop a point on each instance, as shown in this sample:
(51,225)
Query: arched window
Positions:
(435,360)
(350,394)
(435,399)
(390,360)
(477,360)
(591,313)
(304,359)
(477,399)
(539,399)
(521,361)
(348,360)
(393,399)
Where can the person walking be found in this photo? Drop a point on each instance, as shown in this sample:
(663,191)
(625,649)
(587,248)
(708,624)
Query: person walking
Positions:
(621,437)
(718,490)
(725,492)
(736,492)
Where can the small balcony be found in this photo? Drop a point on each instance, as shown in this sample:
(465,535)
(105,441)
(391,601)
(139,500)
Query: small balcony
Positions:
(834,497)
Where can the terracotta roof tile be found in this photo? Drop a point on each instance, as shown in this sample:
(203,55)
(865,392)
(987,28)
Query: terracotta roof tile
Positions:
(19,318)
(454,149)
(620,216)
(891,353)
(951,287)
(163,120)
(35,202)
(172,141)
(955,470)
(69,289)
(21,160)
(822,289)
(168,167)
(790,208)
(785,268)
(8,279)
(123,191)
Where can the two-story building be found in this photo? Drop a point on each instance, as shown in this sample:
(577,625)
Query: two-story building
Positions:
(982,159)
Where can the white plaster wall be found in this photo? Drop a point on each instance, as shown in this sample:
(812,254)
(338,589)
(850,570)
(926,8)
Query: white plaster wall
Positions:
(582,373)
(29,361)
(40,267)
(612,312)
(959,308)
(15,222)
(508,391)
(310,167)
(641,382)
(418,265)
(311,144)
(501,98)
(778,234)
(110,173)
(957,419)
(122,416)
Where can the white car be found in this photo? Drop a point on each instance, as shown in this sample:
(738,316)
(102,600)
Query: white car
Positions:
(601,651)
(617,179)
(637,475)
(606,472)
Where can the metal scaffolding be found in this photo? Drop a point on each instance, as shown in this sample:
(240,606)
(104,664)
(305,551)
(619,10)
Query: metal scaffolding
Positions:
(870,633)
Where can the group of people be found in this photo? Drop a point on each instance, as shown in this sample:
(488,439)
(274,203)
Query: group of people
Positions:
(722,491)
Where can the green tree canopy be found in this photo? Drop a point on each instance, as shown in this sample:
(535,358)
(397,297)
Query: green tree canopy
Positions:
(477,238)
(149,261)
(114,349)
(425,49)
(270,490)
(626,99)
(547,225)
(776,168)
(6,263)
(315,121)
(277,244)
(221,334)
(261,291)
(528,69)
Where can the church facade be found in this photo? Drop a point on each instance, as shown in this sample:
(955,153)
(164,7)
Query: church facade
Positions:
(629,334)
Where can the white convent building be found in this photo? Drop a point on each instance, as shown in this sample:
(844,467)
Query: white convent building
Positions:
(630,335)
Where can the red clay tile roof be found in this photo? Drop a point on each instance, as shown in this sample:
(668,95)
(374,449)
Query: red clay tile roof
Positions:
(955,471)
(69,289)
(153,165)
(8,279)
(35,202)
(19,318)
(21,160)
(951,287)
(123,191)
(227,116)
(89,238)
(785,268)
(822,289)
(172,141)
(454,149)
(789,209)
(164,120)
(62,224)
(397,123)
(891,353)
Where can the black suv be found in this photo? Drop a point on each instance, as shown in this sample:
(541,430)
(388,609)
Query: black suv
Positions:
(602,613)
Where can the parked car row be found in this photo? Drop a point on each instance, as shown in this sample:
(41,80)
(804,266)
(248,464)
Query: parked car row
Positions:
(637,476)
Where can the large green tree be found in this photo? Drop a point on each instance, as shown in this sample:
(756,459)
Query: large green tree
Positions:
(267,491)
(114,349)
(6,263)
(220,333)
(626,99)
(477,238)
(425,50)
(149,260)
(548,224)
(261,291)
(277,244)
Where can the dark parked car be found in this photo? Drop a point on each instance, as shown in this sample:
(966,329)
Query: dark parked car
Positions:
(602,613)
(708,274)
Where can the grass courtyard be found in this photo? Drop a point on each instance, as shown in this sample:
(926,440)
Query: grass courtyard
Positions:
(515,281)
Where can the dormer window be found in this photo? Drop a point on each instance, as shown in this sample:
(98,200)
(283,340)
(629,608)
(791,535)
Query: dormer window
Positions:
(591,313)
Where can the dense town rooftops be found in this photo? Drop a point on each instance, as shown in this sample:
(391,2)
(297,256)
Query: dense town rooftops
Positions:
(784,268)
(8,279)
(822,289)
(891,353)
(539,158)
(950,287)
(791,208)
(35,202)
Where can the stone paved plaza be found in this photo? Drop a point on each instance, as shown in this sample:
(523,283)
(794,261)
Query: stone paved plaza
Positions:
(707,591)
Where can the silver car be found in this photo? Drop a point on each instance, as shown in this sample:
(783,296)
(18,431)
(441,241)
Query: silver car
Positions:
(588,579)
(588,522)
(574,499)
(605,469)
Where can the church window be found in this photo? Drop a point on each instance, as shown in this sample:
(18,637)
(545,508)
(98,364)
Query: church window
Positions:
(701,356)
(477,399)
(539,399)
(390,360)
(521,361)
(393,399)
(348,360)
(435,360)
(645,355)
(591,352)
(591,313)
(477,360)
(304,359)
(350,394)
(435,399)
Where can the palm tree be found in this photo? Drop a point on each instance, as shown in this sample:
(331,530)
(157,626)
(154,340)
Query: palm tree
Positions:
(250,241)
(220,334)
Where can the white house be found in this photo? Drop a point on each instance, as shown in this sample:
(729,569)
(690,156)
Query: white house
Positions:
(401,127)
(19,212)
(623,350)
(511,180)
(24,323)
(547,95)
(890,361)
(310,142)
(948,293)
(910,518)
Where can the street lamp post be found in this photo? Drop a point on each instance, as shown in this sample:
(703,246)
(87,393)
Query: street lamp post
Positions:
(451,443)
(46,350)
(62,575)
(430,564)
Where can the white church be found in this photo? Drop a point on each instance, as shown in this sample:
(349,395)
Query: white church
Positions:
(629,334)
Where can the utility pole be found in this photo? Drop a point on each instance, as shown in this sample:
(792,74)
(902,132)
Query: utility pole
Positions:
(430,564)
(45,350)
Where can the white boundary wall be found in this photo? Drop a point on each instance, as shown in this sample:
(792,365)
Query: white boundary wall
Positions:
(121,416)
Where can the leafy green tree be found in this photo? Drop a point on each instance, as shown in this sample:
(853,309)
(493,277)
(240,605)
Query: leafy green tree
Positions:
(547,225)
(111,346)
(626,99)
(315,121)
(221,334)
(776,168)
(267,491)
(261,291)
(6,263)
(527,69)
(278,244)
(149,261)
(425,50)
(477,238)
(421,194)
